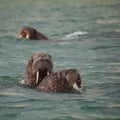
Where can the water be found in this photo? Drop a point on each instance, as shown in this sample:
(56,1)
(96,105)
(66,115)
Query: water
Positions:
(86,36)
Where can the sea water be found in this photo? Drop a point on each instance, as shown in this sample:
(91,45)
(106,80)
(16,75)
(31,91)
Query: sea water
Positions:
(86,36)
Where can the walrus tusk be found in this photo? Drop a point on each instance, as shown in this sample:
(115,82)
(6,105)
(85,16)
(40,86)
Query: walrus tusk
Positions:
(75,86)
(48,72)
(27,36)
(37,77)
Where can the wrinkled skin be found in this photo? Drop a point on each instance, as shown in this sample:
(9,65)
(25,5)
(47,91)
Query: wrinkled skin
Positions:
(31,33)
(39,65)
(61,81)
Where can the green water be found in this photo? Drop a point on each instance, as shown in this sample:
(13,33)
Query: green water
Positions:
(86,36)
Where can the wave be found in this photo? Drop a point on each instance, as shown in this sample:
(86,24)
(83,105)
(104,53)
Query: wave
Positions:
(75,35)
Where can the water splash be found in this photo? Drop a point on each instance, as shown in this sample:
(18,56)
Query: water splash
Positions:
(75,35)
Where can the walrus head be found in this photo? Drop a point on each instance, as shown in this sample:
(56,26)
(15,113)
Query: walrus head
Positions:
(72,77)
(39,65)
(61,81)
(31,33)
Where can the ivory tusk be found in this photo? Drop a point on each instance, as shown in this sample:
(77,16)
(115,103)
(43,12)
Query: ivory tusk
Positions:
(37,77)
(48,72)
(27,37)
(75,86)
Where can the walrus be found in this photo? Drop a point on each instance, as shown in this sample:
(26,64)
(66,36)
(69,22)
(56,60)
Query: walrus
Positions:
(62,81)
(39,65)
(31,33)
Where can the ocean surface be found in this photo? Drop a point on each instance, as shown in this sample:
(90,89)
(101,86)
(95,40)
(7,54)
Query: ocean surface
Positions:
(86,36)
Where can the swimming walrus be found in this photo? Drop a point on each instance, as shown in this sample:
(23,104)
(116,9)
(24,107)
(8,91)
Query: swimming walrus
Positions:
(39,65)
(61,81)
(31,33)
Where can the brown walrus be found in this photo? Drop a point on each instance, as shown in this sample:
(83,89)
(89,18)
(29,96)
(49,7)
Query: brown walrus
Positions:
(39,65)
(61,81)
(31,33)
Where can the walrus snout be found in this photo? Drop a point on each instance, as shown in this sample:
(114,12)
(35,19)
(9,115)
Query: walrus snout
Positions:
(31,33)
(39,65)
(24,35)
(26,32)
(72,76)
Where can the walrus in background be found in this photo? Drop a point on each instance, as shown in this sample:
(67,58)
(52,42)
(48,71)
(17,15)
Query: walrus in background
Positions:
(39,65)
(61,81)
(31,33)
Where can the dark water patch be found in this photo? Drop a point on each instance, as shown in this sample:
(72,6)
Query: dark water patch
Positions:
(11,115)
(107,46)
(111,89)
(66,118)
(8,81)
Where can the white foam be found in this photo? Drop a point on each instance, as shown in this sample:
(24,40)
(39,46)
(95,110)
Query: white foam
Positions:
(74,35)
(8,93)
(22,82)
